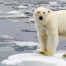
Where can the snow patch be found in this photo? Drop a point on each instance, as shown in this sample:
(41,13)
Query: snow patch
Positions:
(13,12)
(25,46)
(23,43)
(21,6)
(31,20)
(21,15)
(5,37)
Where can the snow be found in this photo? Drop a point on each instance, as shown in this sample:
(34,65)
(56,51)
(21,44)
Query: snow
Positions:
(53,3)
(31,20)
(31,59)
(25,46)
(23,43)
(21,6)
(5,37)
(6,40)
(14,12)
(4,43)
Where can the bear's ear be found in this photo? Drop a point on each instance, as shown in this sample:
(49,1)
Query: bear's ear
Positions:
(48,11)
(33,10)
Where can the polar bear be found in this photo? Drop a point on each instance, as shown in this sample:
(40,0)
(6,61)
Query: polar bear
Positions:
(49,25)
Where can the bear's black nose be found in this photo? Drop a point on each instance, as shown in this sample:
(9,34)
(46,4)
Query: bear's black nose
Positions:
(40,18)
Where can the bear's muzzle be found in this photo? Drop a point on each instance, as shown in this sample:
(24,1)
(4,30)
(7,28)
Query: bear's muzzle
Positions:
(40,18)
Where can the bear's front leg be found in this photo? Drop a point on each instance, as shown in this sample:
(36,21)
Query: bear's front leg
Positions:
(52,43)
(43,42)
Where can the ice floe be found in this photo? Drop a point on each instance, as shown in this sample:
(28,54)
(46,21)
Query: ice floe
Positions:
(14,12)
(13,15)
(27,43)
(6,37)
(20,7)
(31,59)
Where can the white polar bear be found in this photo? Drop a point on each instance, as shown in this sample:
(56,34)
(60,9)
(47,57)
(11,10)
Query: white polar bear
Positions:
(49,25)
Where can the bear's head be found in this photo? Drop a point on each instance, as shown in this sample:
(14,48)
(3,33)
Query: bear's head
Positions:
(40,14)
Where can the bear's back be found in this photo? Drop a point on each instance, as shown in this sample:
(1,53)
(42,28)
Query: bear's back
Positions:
(61,18)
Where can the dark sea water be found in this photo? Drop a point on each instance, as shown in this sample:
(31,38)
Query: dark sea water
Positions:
(22,29)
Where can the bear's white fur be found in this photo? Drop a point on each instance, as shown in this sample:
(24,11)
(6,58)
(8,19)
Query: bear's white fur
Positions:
(50,26)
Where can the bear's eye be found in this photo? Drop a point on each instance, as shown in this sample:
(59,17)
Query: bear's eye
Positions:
(43,12)
(38,12)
